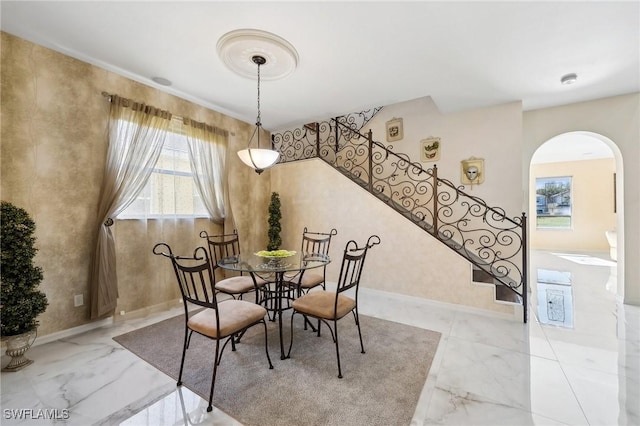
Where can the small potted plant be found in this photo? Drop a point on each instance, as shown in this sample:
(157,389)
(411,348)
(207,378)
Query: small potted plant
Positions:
(20,300)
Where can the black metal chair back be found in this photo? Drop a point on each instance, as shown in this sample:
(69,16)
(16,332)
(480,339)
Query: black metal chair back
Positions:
(316,242)
(313,243)
(194,275)
(221,246)
(353,263)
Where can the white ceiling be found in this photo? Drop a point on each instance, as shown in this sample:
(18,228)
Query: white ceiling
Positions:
(353,55)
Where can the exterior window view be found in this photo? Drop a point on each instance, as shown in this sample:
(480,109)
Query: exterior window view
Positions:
(553,202)
(170,190)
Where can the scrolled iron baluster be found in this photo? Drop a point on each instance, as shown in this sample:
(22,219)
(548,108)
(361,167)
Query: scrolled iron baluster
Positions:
(465,223)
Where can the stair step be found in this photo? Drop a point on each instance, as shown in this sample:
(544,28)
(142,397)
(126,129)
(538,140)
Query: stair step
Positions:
(503,292)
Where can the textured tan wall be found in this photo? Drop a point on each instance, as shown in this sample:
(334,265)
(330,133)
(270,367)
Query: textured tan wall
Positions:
(53,138)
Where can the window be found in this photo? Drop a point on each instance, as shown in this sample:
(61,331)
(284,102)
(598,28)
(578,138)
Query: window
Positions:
(171,190)
(553,202)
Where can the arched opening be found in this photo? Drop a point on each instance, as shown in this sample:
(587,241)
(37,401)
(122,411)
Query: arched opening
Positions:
(576,214)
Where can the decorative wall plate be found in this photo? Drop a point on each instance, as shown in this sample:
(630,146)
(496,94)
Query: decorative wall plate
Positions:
(394,130)
(430,149)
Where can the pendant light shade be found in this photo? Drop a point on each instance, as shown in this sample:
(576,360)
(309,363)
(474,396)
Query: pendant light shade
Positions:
(258,158)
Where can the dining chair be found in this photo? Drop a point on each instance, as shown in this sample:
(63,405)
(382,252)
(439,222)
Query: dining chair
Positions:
(216,320)
(228,245)
(317,243)
(328,306)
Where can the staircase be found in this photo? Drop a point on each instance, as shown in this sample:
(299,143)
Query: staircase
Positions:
(495,244)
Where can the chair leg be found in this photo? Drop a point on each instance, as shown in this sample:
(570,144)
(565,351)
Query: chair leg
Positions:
(213,377)
(187,339)
(240,335)
(233,343)
(266,344)
(335,328)
(291,334)
(357,317)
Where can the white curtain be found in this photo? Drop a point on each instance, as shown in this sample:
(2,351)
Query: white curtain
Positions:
(207,154)
(136,135)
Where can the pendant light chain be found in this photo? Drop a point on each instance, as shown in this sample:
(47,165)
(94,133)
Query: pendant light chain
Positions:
(258,158)
(258,119)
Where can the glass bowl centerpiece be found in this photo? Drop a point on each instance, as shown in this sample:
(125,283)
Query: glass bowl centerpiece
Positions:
(276,257)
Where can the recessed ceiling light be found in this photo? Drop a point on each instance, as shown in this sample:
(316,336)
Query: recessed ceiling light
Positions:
(162,81)
(569,78)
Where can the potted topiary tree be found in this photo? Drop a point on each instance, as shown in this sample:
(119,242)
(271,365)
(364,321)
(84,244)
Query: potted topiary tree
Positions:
(274,222)
(20,300)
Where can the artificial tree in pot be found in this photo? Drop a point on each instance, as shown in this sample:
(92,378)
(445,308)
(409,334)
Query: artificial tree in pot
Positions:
(20,301)
(274,222)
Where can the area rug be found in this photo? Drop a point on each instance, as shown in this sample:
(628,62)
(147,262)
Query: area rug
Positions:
(380,387)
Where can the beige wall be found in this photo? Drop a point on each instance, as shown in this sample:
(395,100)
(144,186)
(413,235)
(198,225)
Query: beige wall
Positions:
(493,133)
(617,120)
(53,137)
(592,205)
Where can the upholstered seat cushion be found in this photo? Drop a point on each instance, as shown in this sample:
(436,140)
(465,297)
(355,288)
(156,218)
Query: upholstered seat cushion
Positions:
(236,285)
(320,304)
(311,279)
(235,315)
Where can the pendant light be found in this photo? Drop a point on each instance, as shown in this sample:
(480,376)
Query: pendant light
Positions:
(258,158)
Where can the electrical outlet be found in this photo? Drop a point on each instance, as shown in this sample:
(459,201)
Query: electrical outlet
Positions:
(78,300)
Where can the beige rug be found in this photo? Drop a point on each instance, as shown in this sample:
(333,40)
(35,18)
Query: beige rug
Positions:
(380,387)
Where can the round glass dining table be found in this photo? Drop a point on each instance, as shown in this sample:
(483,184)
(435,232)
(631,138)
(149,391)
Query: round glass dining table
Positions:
(281,274)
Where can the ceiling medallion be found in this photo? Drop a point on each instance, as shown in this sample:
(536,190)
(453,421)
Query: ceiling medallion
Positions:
(237,48)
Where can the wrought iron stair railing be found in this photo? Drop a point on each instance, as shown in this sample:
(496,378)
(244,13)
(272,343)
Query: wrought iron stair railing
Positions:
(484,235)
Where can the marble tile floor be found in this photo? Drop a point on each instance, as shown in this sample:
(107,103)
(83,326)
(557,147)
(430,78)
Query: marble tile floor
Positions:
(577,362)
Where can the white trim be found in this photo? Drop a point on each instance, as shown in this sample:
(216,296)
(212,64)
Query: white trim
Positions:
(434,303)
(73,331)
(107,322)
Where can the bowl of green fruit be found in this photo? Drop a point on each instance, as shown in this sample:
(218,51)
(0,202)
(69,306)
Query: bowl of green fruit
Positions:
(275,254)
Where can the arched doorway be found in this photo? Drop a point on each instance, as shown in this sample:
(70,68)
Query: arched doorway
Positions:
(575,203)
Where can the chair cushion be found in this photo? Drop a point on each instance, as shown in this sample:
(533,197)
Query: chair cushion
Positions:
(235,315)
(311,279)
(320,304)
(236,285)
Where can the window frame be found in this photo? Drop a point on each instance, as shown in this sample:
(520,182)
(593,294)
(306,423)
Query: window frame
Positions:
(175,130)
(562,181)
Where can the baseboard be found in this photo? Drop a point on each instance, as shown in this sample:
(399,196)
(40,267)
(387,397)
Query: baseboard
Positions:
(149,310)
(117,317)
(73,331)
(434,303)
